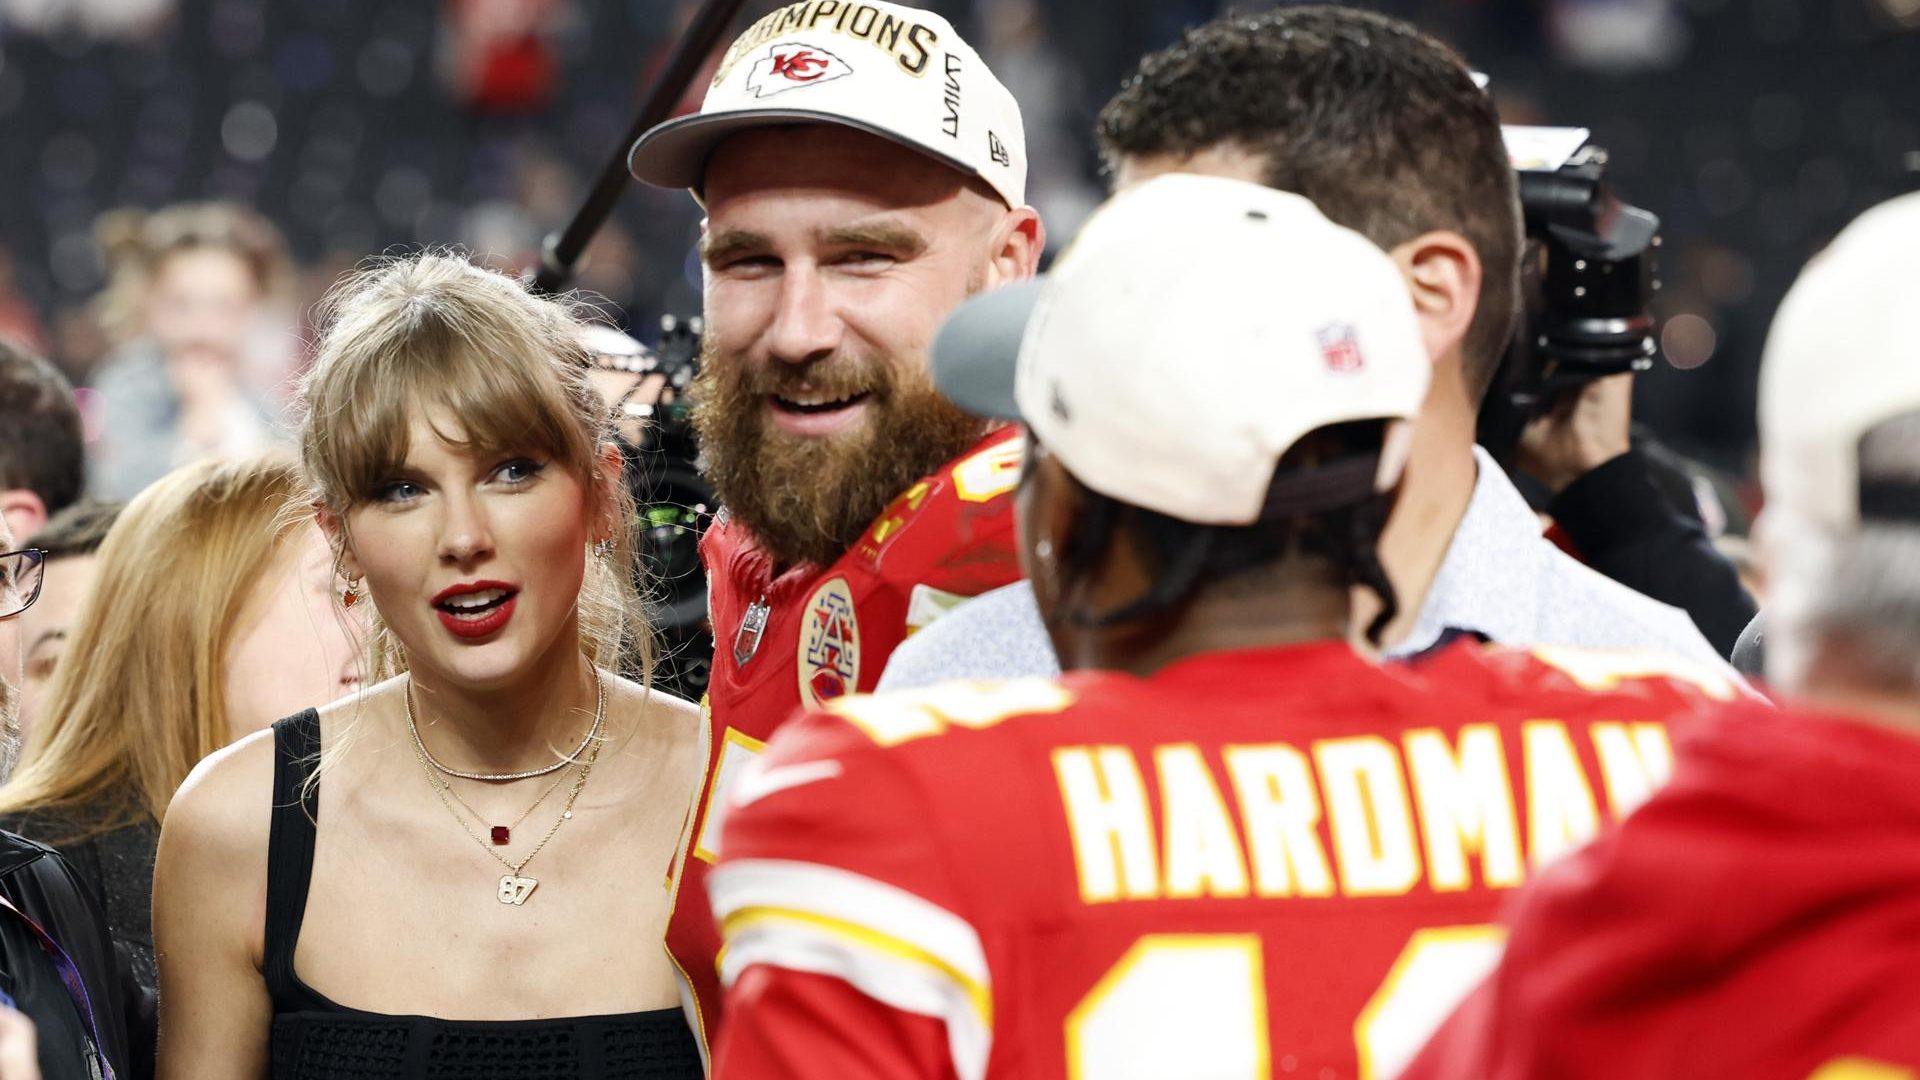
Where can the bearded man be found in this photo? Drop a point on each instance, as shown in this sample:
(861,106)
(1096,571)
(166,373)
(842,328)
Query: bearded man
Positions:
(862,173)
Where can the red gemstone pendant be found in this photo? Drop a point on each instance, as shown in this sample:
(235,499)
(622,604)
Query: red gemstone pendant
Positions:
(501,834)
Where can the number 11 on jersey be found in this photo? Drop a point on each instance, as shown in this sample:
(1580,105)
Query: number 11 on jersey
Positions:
(1195,1006)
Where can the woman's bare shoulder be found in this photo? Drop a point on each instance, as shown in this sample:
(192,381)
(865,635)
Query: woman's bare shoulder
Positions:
(377,700)
(674,712)
(664,723)
(223,810)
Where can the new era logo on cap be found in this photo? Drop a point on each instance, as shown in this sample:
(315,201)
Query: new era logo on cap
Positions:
(791,65)
(997,150)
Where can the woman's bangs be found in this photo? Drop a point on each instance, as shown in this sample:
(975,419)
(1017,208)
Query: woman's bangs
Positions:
(480,403)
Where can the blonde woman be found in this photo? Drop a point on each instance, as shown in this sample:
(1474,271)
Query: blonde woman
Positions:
(208,618)
(459,871)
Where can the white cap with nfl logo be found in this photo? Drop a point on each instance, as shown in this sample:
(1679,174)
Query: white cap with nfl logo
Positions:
(897,72)
(1191,334)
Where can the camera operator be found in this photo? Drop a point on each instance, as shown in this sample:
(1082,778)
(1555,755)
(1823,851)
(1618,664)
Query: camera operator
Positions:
(1610,498)
(1387,132)
(1560,411)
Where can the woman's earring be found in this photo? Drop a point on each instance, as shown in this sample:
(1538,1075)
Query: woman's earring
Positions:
(1043,550)
(350,595)
(603,549)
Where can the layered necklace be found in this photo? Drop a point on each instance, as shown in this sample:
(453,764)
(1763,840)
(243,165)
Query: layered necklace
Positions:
(515,886)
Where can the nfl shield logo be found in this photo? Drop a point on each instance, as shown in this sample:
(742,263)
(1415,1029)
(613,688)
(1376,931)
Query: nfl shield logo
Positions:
(1341,351)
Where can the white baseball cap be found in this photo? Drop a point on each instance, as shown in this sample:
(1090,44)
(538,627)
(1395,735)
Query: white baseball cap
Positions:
(1843,356)
(1191,334)
(897,72)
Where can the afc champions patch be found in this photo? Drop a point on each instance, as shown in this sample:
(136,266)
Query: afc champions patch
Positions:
(829,659)
(789,65)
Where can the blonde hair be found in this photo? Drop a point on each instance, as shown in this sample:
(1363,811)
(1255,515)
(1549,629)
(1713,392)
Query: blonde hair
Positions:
(137,242)
(137,699)
(433,332)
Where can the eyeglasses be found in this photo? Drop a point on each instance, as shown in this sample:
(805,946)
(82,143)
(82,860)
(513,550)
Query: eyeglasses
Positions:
(21,574)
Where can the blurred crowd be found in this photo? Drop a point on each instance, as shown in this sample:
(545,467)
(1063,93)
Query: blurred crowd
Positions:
(228,504)
(1753,129)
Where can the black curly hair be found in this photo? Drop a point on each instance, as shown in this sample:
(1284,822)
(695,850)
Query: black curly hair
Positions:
(1381,126)
(1184,557)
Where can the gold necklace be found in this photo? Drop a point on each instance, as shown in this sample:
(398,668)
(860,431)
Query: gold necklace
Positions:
(599,714)
(515,886)
(502,835)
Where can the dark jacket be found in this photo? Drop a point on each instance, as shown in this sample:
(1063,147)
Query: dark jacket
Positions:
(1626,526)
(116,863)
(37,881)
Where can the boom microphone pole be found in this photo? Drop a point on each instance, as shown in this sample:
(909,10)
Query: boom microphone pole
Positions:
(562,249)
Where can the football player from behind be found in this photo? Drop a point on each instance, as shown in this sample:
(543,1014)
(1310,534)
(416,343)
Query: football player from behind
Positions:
(1225,844)
(1756,918)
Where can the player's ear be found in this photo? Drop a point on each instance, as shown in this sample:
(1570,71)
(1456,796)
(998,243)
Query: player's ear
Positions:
(1013,254)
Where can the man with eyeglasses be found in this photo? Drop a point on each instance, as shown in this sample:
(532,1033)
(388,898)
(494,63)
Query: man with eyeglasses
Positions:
(58,966)
(21,573)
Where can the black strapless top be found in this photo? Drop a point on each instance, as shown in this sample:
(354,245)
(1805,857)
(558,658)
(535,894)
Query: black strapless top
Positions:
(316,1039)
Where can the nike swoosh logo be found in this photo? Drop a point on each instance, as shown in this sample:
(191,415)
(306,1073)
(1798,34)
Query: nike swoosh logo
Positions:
(757,784)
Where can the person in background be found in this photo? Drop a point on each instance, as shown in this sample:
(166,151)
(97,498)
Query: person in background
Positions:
(861,175)
(1631,508)
(42,459)
(1385,130)
(341,874)
(1755,919)
(232,628)
(70,540)
(58,963)
(191,295)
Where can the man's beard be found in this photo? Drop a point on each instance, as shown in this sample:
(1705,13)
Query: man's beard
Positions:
(806,500)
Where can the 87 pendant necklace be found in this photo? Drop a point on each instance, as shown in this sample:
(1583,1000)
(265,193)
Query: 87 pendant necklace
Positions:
(515,887)
(503,834)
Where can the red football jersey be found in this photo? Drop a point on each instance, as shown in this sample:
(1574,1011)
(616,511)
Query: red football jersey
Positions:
(1267,862)
(1759,918)
(810,635)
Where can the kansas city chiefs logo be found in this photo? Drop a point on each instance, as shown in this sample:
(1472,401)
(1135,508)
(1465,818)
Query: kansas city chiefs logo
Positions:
(789,65)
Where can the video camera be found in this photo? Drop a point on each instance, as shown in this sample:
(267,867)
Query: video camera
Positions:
(1588,274)
(673,505)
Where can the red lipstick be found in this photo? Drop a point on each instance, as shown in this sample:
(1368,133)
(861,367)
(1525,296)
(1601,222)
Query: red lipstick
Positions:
(475,620)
